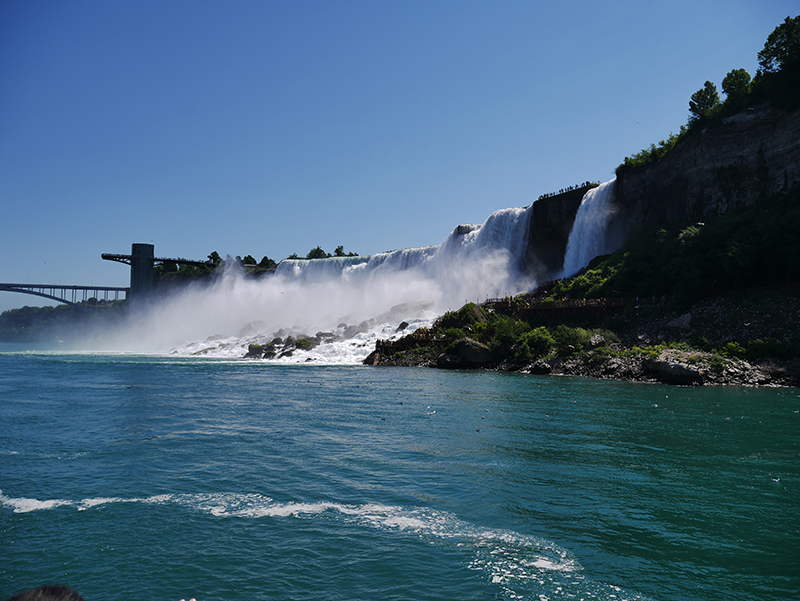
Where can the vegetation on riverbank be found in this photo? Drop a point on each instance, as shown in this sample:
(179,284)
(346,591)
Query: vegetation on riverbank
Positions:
(722,296)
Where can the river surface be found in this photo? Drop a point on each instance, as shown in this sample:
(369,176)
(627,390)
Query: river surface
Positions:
(141,477)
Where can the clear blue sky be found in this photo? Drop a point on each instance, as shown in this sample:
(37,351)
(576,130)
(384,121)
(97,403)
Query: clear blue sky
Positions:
(267,128)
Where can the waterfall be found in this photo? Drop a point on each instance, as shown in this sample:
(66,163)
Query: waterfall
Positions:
(357,300)
(351,300)
(475,261)
(588,236)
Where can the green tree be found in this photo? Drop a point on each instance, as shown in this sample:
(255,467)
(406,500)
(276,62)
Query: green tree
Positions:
(215,258)
(782,48)
(736,86)
(317,253)
(339,252)
(704,103)
(266,263)
(249,260)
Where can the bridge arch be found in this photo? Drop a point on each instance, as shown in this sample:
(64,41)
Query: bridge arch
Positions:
(68,295)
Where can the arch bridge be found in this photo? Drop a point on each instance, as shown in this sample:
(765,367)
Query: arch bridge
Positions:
(142,259)
(70,295)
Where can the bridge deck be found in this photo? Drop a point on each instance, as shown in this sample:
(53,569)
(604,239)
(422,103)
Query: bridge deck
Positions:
(70,295)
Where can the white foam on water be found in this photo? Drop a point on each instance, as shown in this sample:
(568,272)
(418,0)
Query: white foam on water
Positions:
(24,505)
(91,503)
(516,562)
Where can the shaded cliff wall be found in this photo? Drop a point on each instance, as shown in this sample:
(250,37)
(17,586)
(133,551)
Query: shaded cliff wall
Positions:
(550,226)
(745,159)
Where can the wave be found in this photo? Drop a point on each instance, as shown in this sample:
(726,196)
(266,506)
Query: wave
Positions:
(518,563)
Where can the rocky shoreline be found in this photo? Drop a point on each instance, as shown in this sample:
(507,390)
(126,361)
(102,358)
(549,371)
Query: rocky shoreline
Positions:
(652,344)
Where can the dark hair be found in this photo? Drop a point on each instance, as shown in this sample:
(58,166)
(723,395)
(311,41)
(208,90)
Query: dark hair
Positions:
(48,593)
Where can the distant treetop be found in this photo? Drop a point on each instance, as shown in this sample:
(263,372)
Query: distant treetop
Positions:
(782,48)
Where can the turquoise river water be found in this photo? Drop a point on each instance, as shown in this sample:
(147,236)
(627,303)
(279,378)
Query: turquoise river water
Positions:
(153,478)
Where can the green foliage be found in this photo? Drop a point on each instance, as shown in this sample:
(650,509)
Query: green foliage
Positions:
(653,154)
(777,82)
(61,322)
(749,247)
(736,86)
(716,362)
(465,316)
(782,47)
(570,341)
(169,273)
(267,263)
(249,260)
(769,348)
(304,344)
(704,103)
(339,252)
(317,253)
(505,334)
(534,345)
(452,333)
(733,350)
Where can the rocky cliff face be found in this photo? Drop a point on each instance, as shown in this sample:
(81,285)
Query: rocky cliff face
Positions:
(739,162)
(551,224)
(745,159)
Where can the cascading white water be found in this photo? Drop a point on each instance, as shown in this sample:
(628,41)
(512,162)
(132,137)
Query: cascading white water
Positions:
(588,236)
(374,293)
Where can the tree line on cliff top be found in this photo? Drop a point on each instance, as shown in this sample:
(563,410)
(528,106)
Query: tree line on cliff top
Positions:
(777,81)
(169,273)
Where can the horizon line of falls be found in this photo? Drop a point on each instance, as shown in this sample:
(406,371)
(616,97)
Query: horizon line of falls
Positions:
(351,300)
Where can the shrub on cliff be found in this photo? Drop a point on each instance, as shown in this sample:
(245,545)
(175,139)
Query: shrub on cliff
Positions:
(570,341)
(534,345)
(467,315)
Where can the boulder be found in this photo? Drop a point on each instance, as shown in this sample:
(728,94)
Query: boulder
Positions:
(254,351)
(684,322)
(373,358)
(540,367)
(671,368)
(597,340)
(465,353)
(449,361)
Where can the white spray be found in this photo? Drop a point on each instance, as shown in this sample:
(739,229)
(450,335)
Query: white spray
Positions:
(357,299)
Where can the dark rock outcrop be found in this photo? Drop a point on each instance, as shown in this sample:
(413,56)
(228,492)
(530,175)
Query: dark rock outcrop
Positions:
(465,354)
(550,226)
(673,367)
